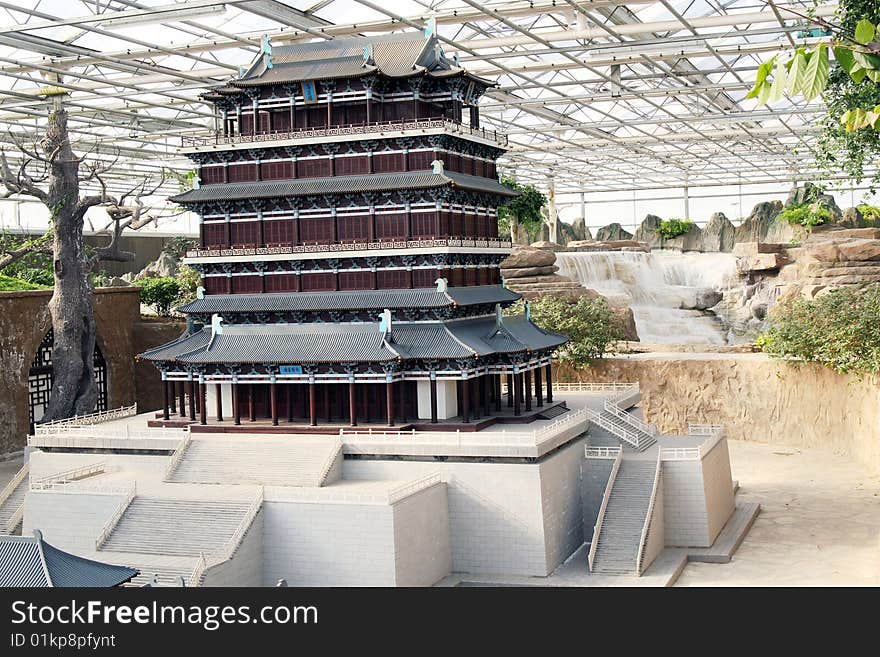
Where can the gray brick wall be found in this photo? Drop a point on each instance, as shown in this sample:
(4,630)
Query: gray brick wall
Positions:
(561,503)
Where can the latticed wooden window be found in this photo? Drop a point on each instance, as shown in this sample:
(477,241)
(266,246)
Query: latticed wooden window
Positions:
(470,276)
(316,230)
(456,226)
(214,284)
(457,276)
(393,279)
(245,233)
(247,124)
(391,226)
(388,162)
(211,175)
(276,170)
(469,228)
(479,168)
(491,172)
(424,224)
(282,283)
(420,160)
(425,277)
(214,235)
(242,172)
(246,284)
(353,228)
(355,280)
(348,166)
(313,168)
(323,282)
(281,121)
(278,232)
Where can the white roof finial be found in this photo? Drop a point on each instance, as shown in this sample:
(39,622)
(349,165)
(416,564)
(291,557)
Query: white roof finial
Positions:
(437,167)
(442,285)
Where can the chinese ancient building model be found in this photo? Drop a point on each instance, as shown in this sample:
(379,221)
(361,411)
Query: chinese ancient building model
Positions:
(349,250)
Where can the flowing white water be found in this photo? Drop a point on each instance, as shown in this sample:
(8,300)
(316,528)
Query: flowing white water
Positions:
(659,287)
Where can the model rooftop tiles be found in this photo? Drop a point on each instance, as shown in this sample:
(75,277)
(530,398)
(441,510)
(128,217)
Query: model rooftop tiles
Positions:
(374,182)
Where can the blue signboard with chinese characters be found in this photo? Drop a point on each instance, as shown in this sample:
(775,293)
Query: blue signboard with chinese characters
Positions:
(291,369)
(309,93)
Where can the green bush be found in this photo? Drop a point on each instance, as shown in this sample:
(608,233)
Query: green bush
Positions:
(870,214)
(14,284)
(590,325)
(525,208)
(840,330)
(189,281)
(38,277)
(806,215)
(671,228)
(160,292)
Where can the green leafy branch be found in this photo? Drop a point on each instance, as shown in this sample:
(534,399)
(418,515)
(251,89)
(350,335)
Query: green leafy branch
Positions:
(805,72)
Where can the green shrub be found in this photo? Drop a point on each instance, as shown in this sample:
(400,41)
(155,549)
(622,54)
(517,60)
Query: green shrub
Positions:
(189,281)
(14,284)
(590,325)
(840,330)
(525,208)
(38,277)
(870,214)
(160,292)
(672,228)
(806,215)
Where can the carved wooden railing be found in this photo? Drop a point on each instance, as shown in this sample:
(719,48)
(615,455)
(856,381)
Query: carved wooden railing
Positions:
(211,138)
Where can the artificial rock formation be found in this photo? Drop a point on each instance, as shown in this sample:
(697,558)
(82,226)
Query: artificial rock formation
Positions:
(718,235)
(647,231)
(754,228)
(613,231)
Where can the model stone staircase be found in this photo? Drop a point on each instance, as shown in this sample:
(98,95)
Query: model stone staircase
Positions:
(284,462)
(11,501)
(620,534)
(177,527)
(624,427)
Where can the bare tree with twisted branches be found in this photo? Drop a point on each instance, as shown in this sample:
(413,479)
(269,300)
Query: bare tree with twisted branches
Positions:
(51,173)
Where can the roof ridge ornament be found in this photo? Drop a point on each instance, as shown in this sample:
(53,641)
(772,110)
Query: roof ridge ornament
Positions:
(266,45)
(437,167)
(385,324)
(430,26)
(216,329)
(442,285)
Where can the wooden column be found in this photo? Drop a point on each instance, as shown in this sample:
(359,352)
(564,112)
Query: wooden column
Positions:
(549,372)
(352,404)
(219,391)
(517,394)
(236,409)
(172,395)
(313,417)
(203,403)
(402,399)
(165,415)
(509,390)
(287,397)
(252,410)
(433,400)
(192,401)
(182,393)
(486,386)
(389,402)
(528,390)
(273,402)
(327,402)
(465,402)
(539,388)
(497,393)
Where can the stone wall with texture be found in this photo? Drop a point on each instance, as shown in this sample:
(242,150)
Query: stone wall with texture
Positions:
(25,320)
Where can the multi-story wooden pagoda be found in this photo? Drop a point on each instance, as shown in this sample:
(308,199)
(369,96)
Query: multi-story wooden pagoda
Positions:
(349,247)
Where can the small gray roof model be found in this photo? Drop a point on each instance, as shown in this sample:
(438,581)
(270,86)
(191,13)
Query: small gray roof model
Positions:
(350,300)
(372,182)
(405,54)
(29,561)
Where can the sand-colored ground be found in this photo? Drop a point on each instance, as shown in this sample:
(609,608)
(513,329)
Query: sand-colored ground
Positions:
(819,523)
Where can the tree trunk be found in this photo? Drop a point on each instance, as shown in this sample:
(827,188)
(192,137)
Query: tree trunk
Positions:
(74,391)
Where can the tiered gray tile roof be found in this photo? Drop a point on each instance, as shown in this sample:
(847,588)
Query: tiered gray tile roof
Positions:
(394,55)
(28,561)
(373,182)
(358,342)
(350,299)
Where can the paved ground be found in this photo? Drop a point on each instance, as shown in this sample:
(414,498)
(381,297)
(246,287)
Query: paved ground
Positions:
(819,523)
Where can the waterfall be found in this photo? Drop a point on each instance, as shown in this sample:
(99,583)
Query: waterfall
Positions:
(660,287)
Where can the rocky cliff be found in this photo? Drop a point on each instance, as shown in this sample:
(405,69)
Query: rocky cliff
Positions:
(755,397)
